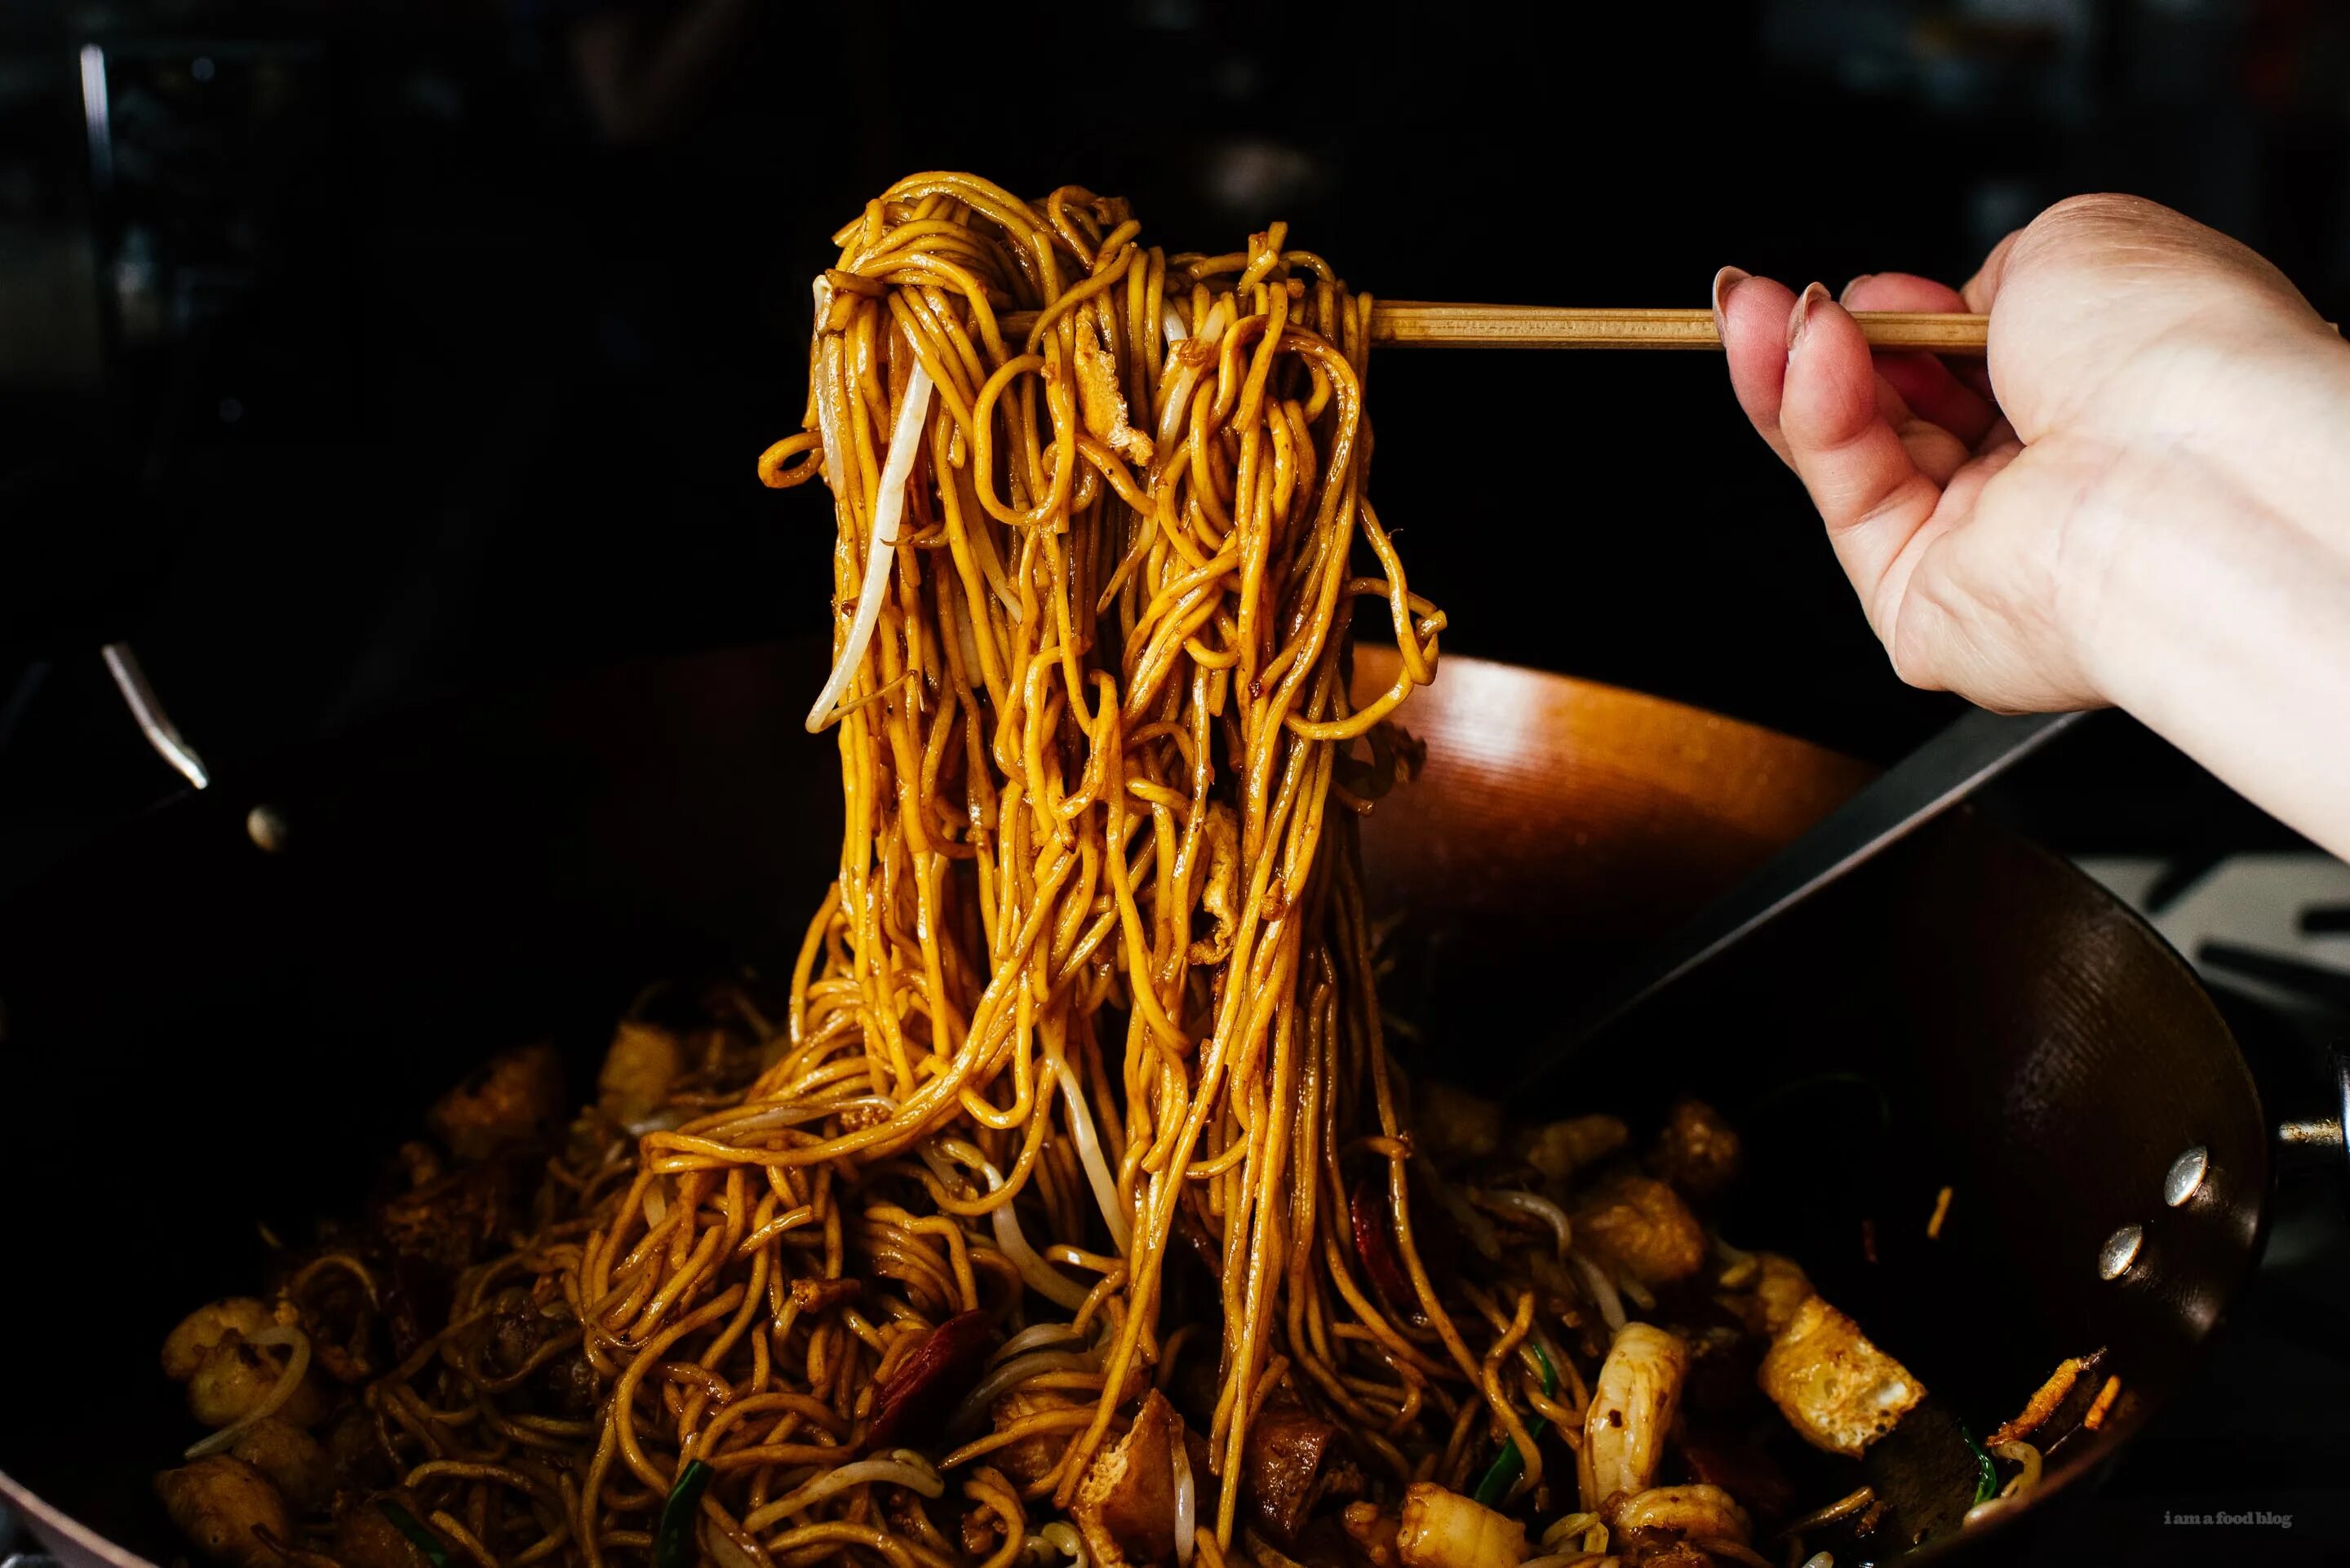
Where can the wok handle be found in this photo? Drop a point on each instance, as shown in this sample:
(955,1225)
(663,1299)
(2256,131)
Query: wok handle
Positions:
(2309,1145)
(130,679)
(2301,1146)
(1976,748)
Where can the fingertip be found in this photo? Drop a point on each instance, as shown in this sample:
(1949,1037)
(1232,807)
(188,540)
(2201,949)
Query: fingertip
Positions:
(1750,310)
(1806,310)
(1829,392)
(1949,396)
(1724,281)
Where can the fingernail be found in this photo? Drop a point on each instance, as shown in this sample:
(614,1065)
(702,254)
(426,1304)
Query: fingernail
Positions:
(1725,280)
(1811,298)
(1846,298)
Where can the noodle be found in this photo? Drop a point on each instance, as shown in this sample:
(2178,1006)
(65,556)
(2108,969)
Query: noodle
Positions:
(1086,623)
(1090,697)
(1092,992)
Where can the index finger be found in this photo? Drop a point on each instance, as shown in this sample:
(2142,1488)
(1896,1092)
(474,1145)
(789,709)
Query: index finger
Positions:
(1862,474)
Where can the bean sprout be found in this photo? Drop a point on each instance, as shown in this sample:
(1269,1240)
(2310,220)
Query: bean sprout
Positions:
(289,1377)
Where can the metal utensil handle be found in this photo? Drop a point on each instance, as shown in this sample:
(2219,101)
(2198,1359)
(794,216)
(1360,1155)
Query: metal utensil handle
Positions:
(1978,747)
(147,709)
(2319,1141)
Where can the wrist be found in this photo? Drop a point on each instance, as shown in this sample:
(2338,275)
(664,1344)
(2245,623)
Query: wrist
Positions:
(2220,611)
(2201,527)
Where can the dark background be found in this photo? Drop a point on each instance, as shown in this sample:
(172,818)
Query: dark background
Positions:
(357,352)
(354,352)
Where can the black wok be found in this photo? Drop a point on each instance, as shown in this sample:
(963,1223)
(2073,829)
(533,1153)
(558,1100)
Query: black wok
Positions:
(204,1037)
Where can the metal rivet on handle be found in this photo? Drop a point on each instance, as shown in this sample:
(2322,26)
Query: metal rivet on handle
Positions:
(2185,1177)
(2120,1250)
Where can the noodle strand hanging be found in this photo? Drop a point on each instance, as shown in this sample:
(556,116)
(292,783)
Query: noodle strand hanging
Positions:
(1063,1203)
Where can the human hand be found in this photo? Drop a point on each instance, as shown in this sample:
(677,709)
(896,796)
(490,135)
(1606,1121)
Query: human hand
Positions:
(2160,418)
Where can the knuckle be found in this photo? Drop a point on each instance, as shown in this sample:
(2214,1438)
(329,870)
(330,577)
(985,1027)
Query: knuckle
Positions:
(2093,208)
(2094,218)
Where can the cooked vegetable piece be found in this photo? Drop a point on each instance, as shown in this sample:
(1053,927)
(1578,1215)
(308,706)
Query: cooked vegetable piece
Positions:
(1740,1469)
(982,1529)
(1126,1506)
(1559,1149)
(339,1318)
(1696,1513)
(1442,1529)
(1290,1463)
(364,1538)
(1643,1228)
(1697,1150)
(1779,1288)
(417,1162)
(643,1062)
(1632,1408)
(1366,1210)
(1838,1390)
(1986,1474)
(417,1543)
(237,1376)
(354,1450)
(450,1220)
(221,1504)
(568,1385)
(931,1378)
(292,1459)
(815,1297)
(1032,1459)
(1668,1553)
(673,1541)
(1510,1464)
(1220,894)
(1373,1530)
(1265,1554)
(2044,1400)
(1762,1289)
(1101,402)
(514,1100)
(185,1347)
(415,1301)
(1451,1124)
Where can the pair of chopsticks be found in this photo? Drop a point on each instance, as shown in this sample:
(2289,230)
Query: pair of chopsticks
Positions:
(1418,323)
(1415,323)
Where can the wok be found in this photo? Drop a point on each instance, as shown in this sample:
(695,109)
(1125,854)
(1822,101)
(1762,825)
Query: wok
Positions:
(203,1037)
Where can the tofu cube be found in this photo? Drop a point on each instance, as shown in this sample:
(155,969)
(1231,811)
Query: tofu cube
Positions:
(1838,1389)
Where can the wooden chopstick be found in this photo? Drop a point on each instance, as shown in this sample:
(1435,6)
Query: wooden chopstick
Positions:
(1418,323)
(1411,323)
(1414,323)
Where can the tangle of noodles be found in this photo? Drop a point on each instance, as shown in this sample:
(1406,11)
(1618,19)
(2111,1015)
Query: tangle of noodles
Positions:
(1089,755)
(891,1269)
